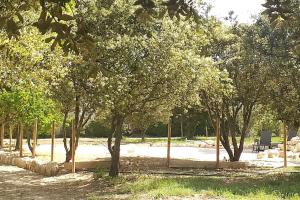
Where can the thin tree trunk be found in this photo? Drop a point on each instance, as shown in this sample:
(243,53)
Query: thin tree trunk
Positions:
(143,135)
(115,150)
(181,127)
(64,130)
(2,135)
(29,141)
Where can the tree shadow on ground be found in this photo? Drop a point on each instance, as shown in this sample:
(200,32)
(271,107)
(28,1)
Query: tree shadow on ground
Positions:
(17,183)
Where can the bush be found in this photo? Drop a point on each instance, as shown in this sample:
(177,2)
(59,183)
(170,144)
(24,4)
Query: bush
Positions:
(97,129)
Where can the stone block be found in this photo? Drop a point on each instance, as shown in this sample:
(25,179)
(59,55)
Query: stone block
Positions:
(261,155)
(297,148)
(273,153)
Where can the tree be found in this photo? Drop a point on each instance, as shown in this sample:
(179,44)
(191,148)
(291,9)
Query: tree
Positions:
(61,18)
(79,93)
(282,90)
(232,93)
(28,67)
(285,14)
(144,62)
(140,121)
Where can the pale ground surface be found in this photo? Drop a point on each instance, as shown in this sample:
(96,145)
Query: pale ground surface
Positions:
(92,149)
(20,184)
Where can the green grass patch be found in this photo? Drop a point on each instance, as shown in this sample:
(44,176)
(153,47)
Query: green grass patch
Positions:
(279,186)
(178,140)
(153,140)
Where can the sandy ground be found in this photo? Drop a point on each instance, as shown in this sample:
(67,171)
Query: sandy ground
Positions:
(20,184)
(93,149)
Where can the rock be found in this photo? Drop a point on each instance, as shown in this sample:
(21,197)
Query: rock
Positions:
(48,169)
(13,161)
(273,153)
(297,148)
(290,148)
(20,163)
(210,142)
(289,154)
(295,140)
(261,155)
(203,145)
(34,166)
(52,169)
(281,146)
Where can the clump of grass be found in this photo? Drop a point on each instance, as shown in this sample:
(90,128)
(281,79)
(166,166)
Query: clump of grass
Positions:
(280,186)
(100,173)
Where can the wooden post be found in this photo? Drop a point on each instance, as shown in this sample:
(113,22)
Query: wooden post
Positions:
(34,137)
(73,146)
(2,136)
(285,144)
(169,143)
(217,143)
(52,141)
(21,139)
(10,136)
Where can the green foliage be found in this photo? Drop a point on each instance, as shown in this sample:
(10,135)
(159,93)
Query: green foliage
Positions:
(97,129)
(285,15)
(264,120)
(26,106)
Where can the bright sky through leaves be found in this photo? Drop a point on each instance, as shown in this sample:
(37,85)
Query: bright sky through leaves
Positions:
(244,9)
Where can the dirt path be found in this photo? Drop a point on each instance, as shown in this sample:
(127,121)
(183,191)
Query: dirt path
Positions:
(20,184)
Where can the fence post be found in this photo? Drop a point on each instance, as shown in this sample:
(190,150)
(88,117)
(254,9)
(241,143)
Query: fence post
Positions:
(73,147)
(218,143)
(21,139)
(285,144)
(52,140)
(169,142)
(10,136)
(34,137)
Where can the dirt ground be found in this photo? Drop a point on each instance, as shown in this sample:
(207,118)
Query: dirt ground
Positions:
(92,149)
(20,184)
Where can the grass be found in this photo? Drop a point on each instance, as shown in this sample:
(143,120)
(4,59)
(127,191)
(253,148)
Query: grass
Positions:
(279,186)
(178,140)
(153,140)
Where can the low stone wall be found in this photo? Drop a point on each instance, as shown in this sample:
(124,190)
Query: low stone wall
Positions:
(277,153)
(45,169)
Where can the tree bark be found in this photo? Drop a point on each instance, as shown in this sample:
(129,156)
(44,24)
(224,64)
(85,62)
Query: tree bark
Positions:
(117,124)
(29,141)
(143,135)
(181,127)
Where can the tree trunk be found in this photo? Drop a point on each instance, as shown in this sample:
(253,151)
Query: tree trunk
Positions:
(29,141)
(64,130)
(181,127)
(117,124)
(69,152)
(143,135)
(206,131)
(231,128)
(2,135)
